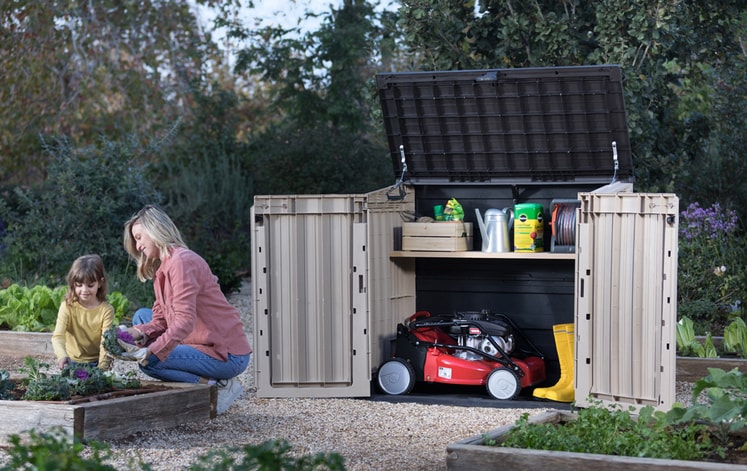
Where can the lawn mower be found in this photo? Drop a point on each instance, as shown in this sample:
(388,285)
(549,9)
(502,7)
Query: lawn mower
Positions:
(466,348)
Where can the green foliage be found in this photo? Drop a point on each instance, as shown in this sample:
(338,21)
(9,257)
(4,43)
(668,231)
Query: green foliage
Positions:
(6,386)
(54,450)
(77,380)
(35,309)
(712,274)
(688,345)
(70,68)
(209,188)
(320,136)
(120,303)
(268,456)
(735,337)
(88,195)
(613,431)
(30,309)
(726,404)
(684,67)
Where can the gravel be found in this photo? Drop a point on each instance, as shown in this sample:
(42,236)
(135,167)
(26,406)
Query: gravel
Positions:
(370,435)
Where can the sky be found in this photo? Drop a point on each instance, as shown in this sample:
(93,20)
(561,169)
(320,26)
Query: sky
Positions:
(286,13)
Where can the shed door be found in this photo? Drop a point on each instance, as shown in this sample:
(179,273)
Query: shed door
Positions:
(626,299)
(309,281)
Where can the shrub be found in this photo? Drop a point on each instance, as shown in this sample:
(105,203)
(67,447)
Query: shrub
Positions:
(81,208)
(711,276)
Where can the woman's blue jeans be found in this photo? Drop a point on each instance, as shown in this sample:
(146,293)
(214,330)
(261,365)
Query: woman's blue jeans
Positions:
(186,364)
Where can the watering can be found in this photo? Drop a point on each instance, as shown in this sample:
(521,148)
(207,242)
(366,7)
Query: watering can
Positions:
(494,229)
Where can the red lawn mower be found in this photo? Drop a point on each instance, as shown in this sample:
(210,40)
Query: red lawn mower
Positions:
(468,348)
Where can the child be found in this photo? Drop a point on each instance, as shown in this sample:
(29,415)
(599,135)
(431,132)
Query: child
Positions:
(84,316)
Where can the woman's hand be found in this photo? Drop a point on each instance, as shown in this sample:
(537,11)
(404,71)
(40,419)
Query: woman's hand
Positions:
(138,337)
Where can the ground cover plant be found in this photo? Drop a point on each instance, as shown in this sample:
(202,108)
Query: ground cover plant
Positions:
(39,385)
(53,450)
(713,428)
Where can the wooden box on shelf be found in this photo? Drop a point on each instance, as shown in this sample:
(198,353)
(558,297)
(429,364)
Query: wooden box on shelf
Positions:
(447,236)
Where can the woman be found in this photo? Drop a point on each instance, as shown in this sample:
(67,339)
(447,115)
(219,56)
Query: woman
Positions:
(192,334)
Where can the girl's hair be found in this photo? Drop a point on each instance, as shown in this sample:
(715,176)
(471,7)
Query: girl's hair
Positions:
(162,231)
(86,269)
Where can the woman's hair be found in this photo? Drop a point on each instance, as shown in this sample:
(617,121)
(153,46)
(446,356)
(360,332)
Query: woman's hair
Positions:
(86,269)
(162,231)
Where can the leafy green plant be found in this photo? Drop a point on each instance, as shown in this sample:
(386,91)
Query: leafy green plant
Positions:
(6,385)
(53,450)
(735,337)
(688,345)
(30,309)
(726,400)
(268,456)
(111,336)
(35,309)
(613,431)
(71,381)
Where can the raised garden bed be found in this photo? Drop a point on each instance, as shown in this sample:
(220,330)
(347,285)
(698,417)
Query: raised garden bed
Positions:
(156,406)
(691,369)
(472,454)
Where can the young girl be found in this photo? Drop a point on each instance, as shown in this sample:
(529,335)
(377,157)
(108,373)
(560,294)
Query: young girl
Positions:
(84,316)
(192,334)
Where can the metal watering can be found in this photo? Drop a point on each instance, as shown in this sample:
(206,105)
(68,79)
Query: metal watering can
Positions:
(494,229)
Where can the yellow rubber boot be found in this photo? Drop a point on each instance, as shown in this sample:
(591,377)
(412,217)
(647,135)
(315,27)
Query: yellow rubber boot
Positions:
(563,390)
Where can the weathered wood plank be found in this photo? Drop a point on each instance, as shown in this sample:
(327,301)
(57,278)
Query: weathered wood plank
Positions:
(117,418)
(22,344)
(21,416)
(484,458)
(112,418)
(691,369)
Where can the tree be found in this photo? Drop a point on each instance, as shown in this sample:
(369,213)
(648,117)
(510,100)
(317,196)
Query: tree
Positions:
(683,63)
(83,70)
(321,137)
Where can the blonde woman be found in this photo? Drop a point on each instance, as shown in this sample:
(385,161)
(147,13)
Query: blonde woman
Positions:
(192,334)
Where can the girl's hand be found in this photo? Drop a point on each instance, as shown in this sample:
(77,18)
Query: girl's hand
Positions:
(63,362)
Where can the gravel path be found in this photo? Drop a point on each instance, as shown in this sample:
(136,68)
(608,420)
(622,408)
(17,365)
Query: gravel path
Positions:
(370,435)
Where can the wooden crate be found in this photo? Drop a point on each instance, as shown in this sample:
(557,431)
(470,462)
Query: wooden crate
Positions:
(115,418)
(452,236)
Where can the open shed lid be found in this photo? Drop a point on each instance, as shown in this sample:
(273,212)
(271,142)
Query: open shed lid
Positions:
(532,125)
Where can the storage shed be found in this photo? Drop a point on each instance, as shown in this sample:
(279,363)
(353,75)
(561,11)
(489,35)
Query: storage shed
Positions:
(331,281)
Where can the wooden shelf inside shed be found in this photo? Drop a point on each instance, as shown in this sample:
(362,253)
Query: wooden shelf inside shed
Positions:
(483,255)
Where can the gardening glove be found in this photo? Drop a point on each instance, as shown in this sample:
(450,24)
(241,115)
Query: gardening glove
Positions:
(128,347)
(139,355)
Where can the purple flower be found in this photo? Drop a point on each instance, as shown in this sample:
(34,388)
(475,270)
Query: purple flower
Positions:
(125,336)
(82,375)
(709,223)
